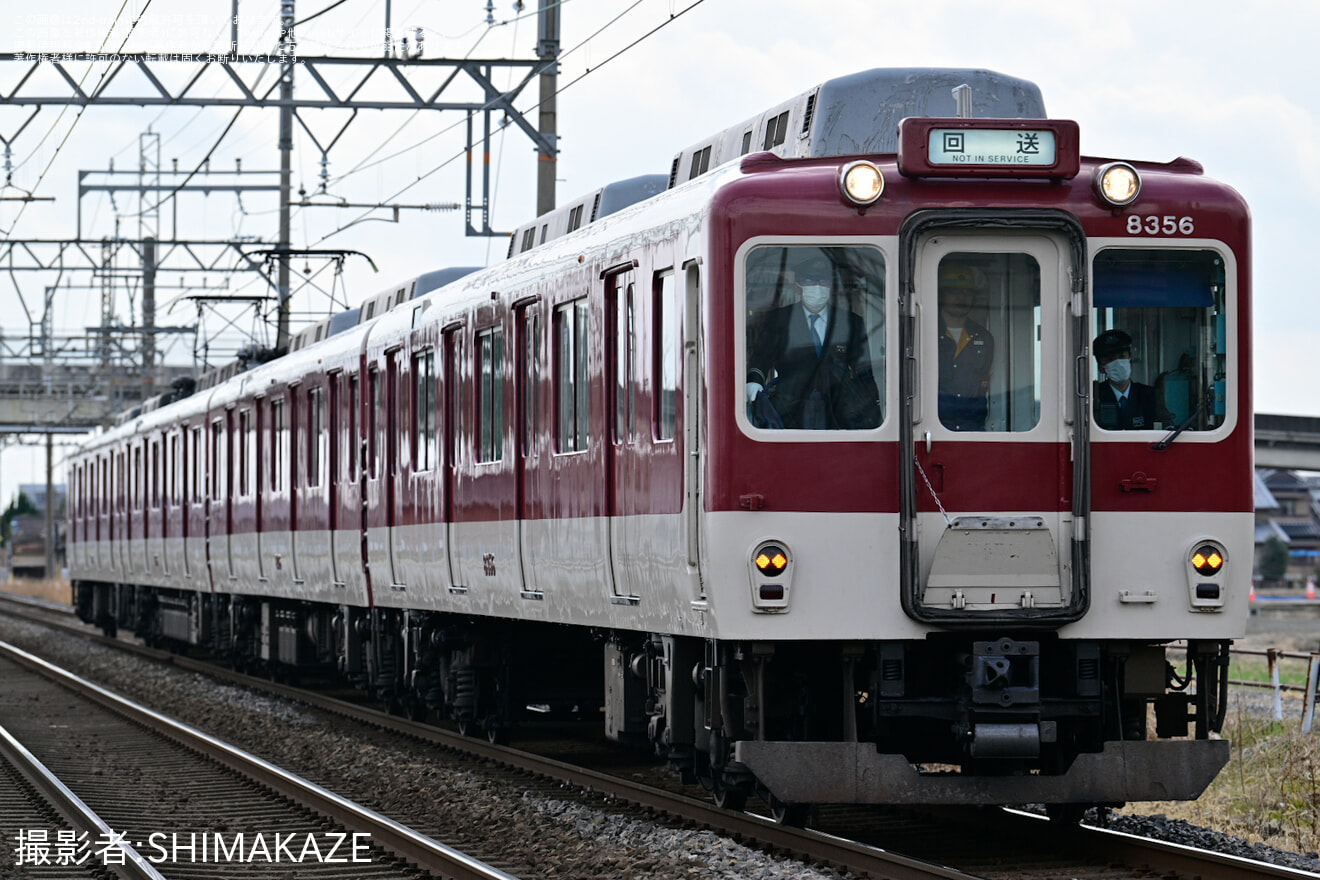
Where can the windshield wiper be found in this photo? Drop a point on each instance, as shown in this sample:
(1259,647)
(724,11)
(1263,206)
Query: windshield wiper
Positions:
(1173,435)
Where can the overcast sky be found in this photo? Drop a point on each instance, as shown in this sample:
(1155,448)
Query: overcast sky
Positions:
(1231,85)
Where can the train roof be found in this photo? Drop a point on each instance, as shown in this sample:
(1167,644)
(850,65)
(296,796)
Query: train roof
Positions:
(859,113)
(585,209)
(847,115)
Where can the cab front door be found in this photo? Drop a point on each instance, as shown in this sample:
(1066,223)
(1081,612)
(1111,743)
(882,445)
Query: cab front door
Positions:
(991,334)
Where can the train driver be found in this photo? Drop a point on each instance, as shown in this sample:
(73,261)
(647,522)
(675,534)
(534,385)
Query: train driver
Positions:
(1119,403)
(809,363)
(967,349)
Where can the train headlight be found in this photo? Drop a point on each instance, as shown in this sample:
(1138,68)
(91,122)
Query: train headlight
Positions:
(1118,183)
(861,183)
(770,567)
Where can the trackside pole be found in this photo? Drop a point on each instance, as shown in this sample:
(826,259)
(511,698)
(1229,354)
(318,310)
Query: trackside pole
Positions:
(1312,680)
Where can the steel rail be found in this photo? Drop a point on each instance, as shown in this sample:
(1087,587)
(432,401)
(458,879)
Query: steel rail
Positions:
(1160,857)
(79,816)
(430,855)
(749,828)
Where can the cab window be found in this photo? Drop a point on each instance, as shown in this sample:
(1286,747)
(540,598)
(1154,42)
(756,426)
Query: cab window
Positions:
(814,344)
(1160,336)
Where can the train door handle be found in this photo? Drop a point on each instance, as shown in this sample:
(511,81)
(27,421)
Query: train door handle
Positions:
(1138,482)
(928,442)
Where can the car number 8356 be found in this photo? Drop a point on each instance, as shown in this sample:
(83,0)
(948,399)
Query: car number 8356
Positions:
(1157,225)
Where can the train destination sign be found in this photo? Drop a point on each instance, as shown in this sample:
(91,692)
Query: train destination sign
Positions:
(943,147)
(990,146)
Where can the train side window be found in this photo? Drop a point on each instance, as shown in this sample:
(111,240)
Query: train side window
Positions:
(373,418)
(138,476)
(700,163)
(155,475)
(572,393)
(814,340)
(1161,320)
(218,460)
(746,144)
(351,441)
(625,378)
(423,421)
(490,423)
(315,436)
(530,356)
(245,442)
(667,349)
(279,448)
(776,130)
(195,467)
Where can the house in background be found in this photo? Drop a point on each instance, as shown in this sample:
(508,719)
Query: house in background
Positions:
(1288,509)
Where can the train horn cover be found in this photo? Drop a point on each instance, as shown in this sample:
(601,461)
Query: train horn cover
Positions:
(861,183)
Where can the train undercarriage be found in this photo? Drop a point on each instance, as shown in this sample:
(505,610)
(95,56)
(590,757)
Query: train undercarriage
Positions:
(975,718)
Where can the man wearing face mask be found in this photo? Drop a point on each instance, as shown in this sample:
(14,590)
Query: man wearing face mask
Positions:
(1119,403)
(809,364)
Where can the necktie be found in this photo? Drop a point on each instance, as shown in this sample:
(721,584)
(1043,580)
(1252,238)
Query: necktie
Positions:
(814,321)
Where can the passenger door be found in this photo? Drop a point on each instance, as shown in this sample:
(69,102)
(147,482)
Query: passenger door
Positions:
(527,380)
(989,501)
(625,462)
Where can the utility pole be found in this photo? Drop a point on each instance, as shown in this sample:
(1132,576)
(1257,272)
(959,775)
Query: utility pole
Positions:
(51,573)
(547,50)
(287,47)
(149,200)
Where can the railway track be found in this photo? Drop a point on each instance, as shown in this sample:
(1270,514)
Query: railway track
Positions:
(866,842)
(139,790)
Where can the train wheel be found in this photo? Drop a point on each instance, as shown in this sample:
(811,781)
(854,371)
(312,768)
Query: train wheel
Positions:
(792,815)
(1065,814)
(496,734)
(414,709)
(728,797)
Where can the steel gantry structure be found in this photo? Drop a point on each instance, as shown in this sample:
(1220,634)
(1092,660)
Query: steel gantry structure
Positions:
(396,81)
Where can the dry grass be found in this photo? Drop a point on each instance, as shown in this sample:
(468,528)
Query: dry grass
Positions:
(50,590)
(1270,790)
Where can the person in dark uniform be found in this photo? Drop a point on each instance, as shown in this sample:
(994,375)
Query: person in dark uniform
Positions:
(1119,404)
(809,364)
(966,349)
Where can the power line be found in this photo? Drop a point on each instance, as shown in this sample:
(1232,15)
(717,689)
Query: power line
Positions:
(322,12)
(364,165)
(81,109)
(672,18)
(83,79)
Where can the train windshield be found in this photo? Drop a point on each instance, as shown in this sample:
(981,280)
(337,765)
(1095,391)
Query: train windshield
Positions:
(815,337)
(989,338)
(1159,351)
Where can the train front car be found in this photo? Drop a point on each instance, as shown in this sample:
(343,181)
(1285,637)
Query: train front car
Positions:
(980,447)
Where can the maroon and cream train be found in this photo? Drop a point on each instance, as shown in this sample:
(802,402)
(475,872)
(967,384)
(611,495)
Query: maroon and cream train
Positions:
(577,481)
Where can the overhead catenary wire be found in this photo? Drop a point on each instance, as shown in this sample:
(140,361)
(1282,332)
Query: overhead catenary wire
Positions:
(23,207)
(365,164)
(672,18)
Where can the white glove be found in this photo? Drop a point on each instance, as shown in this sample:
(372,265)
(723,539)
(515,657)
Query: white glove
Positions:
(753,389)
